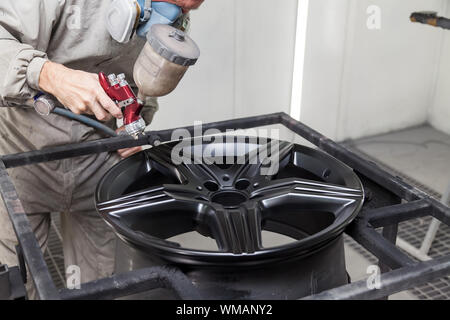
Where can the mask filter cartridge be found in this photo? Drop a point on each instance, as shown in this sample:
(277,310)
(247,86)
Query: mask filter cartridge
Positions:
(124,17)
(162,13)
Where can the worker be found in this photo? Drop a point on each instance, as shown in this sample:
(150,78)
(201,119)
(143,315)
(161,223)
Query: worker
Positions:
(58,47)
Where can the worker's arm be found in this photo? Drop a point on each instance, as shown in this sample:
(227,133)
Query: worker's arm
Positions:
(25,29)
(78,91)
(25,32)
(150,108)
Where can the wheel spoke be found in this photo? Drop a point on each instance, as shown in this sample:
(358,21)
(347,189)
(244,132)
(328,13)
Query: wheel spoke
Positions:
(237,230)
(166,197)
(160,158)
(192,169)
(307,194)
(198,173)
(258,160)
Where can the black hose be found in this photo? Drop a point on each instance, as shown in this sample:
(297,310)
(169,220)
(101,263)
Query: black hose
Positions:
(430,18)
(86,120)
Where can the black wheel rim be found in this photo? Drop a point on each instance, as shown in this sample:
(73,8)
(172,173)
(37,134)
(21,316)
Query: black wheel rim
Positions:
(148,199)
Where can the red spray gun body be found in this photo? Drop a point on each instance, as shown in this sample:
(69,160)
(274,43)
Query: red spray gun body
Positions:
(118,89)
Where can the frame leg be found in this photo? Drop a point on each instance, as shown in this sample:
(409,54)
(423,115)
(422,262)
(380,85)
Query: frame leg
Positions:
(390,233)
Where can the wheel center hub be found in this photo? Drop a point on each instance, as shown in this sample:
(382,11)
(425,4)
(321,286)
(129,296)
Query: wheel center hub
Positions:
(229,199)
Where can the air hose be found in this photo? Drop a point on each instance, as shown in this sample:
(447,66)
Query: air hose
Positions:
(85,120)
(44,105)
(430,18)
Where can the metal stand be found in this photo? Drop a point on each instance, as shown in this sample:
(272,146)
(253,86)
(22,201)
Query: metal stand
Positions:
(11,284)
(422,253)
(378,212)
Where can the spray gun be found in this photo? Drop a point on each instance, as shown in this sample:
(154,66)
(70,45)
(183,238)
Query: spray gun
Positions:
(118,89)
(164,60)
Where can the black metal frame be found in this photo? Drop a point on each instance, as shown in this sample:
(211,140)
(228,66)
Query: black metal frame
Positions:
(406,272)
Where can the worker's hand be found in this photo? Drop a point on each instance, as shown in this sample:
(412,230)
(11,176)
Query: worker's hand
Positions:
(78,91)
(125,153)
(187,5)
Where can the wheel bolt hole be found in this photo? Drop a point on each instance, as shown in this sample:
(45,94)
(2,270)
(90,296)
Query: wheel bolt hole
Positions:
(211,186)
(226,178)
(242,184)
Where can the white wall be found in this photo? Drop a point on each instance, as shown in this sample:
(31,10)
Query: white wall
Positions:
(357,82)
(245,66)
(439,112)
(360,82)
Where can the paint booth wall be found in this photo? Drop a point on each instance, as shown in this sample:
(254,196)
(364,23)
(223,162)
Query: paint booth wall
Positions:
(360,82)
(439,112)
(357,82)
(245,68)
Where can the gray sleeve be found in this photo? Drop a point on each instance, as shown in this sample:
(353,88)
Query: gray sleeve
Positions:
(25,31)
(150,108)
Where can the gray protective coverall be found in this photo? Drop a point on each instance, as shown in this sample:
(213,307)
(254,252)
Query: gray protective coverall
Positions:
(73,33)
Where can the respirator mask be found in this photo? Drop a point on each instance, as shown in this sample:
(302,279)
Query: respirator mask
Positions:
(126,17)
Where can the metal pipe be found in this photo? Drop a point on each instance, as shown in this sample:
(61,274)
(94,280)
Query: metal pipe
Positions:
(5,286)
(373,241)
(434,226)
(422,253)
(430,236)
(410,249)
(385,216)
(392,282)
(390,234)
(121,142)
(34,258)
(134,282)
